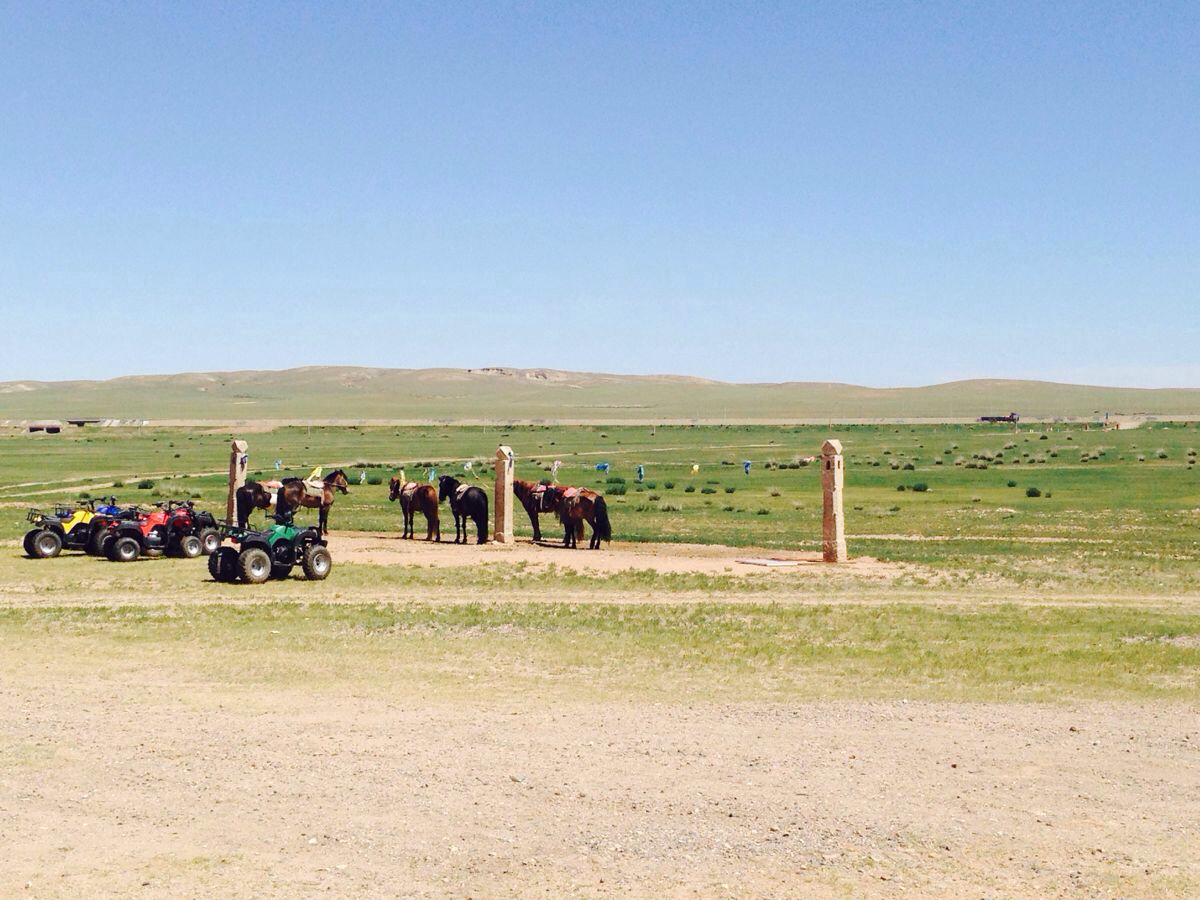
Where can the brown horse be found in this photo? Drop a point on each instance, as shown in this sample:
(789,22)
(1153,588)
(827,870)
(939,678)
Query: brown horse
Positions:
(254,495)
(414,496)
(577,506)
(293,494)
(538,498)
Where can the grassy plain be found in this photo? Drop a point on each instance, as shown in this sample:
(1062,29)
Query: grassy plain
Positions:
(1007,709)
(351,394)
(1112,517)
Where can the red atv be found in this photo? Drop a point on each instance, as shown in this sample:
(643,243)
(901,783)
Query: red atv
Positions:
(175,528)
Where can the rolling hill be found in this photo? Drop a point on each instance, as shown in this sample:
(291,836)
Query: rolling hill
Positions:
(347,394)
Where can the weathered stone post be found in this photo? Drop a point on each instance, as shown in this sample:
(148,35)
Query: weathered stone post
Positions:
(833,532)
(239,460)
(502,525)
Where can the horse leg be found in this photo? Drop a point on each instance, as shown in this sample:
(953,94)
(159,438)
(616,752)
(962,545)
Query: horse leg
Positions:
(323,519)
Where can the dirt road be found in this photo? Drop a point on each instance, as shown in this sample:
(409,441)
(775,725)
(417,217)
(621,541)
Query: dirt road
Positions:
(142,783)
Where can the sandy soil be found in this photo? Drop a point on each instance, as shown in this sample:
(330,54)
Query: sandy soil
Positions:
(143,783)
(387,548)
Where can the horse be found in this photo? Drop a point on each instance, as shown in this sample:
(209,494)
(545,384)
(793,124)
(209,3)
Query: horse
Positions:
(537,498)
(579,505)
(466,501)
(414,496)
(254,495)
(293,495)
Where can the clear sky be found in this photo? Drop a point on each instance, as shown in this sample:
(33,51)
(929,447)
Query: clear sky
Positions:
(880,193)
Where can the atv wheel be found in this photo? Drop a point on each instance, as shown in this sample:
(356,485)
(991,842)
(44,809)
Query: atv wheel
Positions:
(95,544)
(255,565)
(278,571)
(223,565)
(190,546)
(46,544)
(317,562)
(28,543)
(124,549)
(210,540)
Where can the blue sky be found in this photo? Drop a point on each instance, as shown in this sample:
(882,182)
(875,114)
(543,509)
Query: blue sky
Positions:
(878,193)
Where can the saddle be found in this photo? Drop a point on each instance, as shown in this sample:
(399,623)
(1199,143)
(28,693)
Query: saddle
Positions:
(462,489)
(570,493)
(408,489)
(543,497)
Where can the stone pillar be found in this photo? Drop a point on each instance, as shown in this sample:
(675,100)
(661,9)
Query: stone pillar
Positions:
(833,531)
(239,460)
(502,525)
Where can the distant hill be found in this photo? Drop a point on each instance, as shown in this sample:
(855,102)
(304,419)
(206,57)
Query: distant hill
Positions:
(327,393)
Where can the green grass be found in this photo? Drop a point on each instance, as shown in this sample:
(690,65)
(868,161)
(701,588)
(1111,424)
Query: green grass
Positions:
(699,651)
(1112,520)
(456,395)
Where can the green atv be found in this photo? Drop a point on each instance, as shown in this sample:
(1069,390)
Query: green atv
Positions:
(273,553)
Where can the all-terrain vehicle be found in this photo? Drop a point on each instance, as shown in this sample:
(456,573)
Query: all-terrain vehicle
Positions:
(175,528)
(272,553)
(66,528)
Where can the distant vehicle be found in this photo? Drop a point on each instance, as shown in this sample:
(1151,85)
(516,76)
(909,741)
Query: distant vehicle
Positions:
(1011,418)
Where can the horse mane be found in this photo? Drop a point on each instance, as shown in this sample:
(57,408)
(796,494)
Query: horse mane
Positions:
(334,474)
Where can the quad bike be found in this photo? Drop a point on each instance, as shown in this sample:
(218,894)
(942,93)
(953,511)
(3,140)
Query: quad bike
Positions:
(66,528)
(173,527)
(271,553)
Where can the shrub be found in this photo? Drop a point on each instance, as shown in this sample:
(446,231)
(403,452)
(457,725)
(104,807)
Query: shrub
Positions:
(937,462)
(909,467)
(615,490)
(654,498)
(900,487)
(730,489)
(669,485)
(1032,492)
(375,479)
(614,479)
(762,511)
(1141,457)
(775,492)
(712,481)
(1012,484)
(690,489)
(727,508)
(893,509)
(651,484)
(920,487)
(708,490)
(1044,437)
(670,507)
(145,484)
(84,495)
(118,484)
(1161,453)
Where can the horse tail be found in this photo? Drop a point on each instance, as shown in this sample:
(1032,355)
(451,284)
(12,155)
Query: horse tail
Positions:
(603,526)
(481,517)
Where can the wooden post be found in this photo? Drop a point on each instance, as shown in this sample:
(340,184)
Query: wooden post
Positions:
(502,527)
(833,530)
(239,460)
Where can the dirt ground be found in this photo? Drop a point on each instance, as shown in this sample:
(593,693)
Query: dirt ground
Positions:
(387,548)
(140,783)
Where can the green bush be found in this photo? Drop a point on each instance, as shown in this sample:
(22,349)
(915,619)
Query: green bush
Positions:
(762,511)
(730,490)
(145,484)
(920,487)
(615,479)
(690,489)
(901,487)
(615,490)
(374,479)
(1012,484)
(669,485)
(708,490)
(1032,492)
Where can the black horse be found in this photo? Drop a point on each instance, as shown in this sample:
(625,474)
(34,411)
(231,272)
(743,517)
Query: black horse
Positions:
(466,502)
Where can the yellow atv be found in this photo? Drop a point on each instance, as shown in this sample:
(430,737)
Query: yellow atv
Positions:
(65,527)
